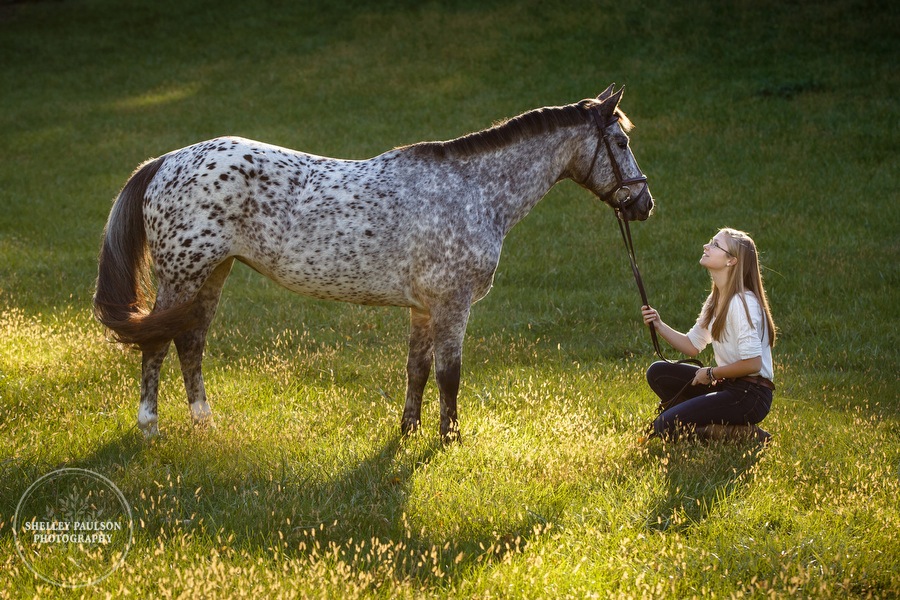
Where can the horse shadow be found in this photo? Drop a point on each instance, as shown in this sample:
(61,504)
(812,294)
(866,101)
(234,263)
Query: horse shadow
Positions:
(360,514)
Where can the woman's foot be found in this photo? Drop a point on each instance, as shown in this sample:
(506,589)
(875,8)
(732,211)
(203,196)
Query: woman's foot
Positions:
(717,432)
(762,436)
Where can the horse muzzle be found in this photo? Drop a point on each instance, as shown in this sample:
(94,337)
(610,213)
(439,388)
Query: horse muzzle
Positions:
(633,205)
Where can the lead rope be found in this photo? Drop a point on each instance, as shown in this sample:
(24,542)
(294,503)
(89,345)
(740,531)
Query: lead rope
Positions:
(625,230)
(664,405)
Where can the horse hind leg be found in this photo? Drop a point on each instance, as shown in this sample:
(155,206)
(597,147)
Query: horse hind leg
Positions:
(191,343)
(418,368)
(151,363)
(154,355)
(152,358)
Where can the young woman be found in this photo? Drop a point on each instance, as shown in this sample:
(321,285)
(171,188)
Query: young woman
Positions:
(730,398)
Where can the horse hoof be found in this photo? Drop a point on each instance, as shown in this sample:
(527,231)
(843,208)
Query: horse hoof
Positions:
(408,428)
(147,422)
(207,423)
(452,437)
(150,430)
(450,433)
(201,415)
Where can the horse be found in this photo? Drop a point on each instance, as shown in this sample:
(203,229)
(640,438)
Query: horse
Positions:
(420,226)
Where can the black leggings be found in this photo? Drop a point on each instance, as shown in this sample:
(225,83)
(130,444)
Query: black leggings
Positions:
(732,402)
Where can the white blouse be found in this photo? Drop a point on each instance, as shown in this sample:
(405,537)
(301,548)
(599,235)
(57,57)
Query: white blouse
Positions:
(741,338)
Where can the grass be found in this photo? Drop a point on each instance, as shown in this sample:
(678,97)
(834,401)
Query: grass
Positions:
(778,118)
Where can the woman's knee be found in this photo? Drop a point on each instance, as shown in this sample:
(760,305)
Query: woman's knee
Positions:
(655,370)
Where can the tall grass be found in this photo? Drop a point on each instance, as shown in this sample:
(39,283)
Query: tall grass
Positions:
(778,118)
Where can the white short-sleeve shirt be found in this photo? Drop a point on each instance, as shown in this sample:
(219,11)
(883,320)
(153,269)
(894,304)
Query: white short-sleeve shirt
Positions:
(741,338)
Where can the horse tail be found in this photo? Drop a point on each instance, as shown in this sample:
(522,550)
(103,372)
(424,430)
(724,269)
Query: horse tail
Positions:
(122,301)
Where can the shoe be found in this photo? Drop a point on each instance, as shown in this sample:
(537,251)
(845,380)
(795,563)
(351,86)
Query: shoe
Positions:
(762,436)
(717,432)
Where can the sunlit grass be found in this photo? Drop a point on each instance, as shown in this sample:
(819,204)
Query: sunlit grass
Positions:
(549,489)
(304,487)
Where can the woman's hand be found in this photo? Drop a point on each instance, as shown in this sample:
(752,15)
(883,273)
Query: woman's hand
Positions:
(703,377)
(676,339)
(650,316)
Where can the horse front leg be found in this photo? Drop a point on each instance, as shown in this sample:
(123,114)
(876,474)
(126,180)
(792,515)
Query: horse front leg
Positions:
(447,376)
(449,326)
(418,368)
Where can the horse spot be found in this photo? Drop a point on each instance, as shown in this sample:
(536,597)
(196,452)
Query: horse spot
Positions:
(223,177)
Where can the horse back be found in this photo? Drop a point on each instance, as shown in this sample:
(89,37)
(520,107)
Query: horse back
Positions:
(355,231)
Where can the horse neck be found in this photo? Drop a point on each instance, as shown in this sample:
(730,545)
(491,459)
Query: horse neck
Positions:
(528,169)
(507,181)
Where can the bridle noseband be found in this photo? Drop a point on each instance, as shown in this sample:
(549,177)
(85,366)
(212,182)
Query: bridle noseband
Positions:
(621,182)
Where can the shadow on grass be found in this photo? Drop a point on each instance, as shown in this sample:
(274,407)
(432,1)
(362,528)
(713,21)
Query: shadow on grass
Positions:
(236,500)
(699,475)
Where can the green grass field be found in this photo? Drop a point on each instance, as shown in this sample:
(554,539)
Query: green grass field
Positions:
(780,118)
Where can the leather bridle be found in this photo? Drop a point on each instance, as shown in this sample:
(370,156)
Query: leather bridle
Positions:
(622,182)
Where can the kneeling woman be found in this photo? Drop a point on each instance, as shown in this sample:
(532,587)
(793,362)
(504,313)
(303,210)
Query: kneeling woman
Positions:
(736,394)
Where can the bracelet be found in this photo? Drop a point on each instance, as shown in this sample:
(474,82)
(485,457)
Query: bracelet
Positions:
(709,373)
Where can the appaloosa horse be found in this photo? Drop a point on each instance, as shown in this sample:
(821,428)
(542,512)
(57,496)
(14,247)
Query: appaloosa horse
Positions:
(419,226)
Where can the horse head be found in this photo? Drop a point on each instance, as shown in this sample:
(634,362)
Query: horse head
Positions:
(613,173)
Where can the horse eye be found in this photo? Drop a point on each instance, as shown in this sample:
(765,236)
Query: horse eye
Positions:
(623,144)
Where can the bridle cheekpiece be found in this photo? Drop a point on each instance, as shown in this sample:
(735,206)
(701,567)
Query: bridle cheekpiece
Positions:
(622,183)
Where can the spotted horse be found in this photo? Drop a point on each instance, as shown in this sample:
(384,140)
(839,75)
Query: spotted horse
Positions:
(420,226)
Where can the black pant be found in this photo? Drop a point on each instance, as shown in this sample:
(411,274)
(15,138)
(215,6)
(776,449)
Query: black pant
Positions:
(732,402)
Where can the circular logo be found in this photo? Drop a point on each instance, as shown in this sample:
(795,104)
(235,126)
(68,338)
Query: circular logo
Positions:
(73,528)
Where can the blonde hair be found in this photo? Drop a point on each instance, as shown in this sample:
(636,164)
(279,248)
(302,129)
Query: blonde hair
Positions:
(744,277)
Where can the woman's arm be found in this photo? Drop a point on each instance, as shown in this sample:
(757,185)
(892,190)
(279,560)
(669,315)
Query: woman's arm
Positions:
(735,370)
(676,339)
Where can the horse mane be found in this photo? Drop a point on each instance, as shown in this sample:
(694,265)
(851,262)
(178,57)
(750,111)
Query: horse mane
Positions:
(534,122)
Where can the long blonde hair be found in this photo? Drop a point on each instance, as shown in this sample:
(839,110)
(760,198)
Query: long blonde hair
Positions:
(744,277)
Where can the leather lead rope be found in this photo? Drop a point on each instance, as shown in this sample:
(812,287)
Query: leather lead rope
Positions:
(629,248)
(625,230)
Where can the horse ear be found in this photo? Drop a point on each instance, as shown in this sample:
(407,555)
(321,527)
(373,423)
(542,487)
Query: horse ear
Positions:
(609,104)
(606,93)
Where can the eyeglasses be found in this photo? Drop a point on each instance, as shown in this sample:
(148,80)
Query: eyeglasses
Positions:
(715,244)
